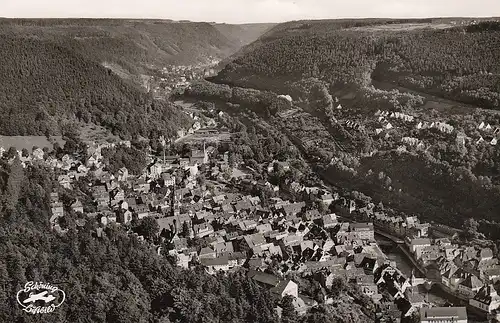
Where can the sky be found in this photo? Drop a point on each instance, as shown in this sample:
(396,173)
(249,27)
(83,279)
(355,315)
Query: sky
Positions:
(244,11)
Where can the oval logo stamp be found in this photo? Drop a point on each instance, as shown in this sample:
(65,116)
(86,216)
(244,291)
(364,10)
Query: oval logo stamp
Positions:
(40,298)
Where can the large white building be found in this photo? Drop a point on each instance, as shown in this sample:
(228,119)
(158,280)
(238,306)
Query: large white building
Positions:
(486,299)
(365,231)
(443,315)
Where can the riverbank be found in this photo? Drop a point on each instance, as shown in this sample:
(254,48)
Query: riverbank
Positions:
(438,295)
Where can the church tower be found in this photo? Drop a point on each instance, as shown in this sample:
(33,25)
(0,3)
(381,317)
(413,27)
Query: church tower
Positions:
(205,154)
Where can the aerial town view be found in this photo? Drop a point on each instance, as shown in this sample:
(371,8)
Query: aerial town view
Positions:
(276,162)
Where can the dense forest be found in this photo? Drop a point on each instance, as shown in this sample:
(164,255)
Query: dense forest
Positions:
(456,62)
(44,84)
(111,279)
(136,45)
(52,70)
(133,159)
(115,277)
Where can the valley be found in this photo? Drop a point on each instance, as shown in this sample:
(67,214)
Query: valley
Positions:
(415,151)
(115,73)
(343,170)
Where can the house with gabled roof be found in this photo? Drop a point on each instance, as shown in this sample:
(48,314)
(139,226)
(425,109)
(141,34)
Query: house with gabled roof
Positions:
(263,228)
(365,231)
(485,254)
(124,217)
(329,221)
(77,206)
(203,229)
(236,259)
(224,247)
(491,275)
(64,181)
(254,240)
(276,285)
(207,252)
(293,209)
(213,265)
(265,279)
(470,286)
(286,287)
(57,211)
(123,174)
(180,244)
(312,215)
(486,299)
(142,211)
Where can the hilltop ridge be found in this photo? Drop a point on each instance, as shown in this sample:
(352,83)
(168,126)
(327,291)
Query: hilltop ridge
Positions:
(139,45)
(58,70)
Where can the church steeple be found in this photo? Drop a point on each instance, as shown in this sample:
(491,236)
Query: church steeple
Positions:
(205,155)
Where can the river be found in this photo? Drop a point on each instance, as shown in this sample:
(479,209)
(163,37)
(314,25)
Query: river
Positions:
(435,295)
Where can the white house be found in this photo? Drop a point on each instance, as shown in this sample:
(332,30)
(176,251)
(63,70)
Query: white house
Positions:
(38,154)
(286,287)
(417,245)
(486,300)
(213,265)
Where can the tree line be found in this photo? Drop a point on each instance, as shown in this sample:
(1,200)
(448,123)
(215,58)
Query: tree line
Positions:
(458,63)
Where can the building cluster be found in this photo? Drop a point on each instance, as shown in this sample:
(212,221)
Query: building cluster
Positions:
(210,215)
(467,272)
(441,126)
(384,117)
(394,115)
(489,134)
(179,76)
(220,227)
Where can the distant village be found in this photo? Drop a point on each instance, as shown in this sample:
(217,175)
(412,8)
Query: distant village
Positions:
(209,217)
(174,77)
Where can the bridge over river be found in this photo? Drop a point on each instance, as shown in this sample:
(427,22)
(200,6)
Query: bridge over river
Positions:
(389,236)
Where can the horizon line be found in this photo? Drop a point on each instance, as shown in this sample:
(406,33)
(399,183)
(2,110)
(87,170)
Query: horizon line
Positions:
(243,23)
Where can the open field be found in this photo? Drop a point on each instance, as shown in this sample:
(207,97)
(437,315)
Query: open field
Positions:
(28,142)
(403,27)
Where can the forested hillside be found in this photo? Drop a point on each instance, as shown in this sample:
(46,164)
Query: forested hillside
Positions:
(344,74)
(452,62)
(243,34)
(138,45)
(45,84)
(56,70)
(114,277)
